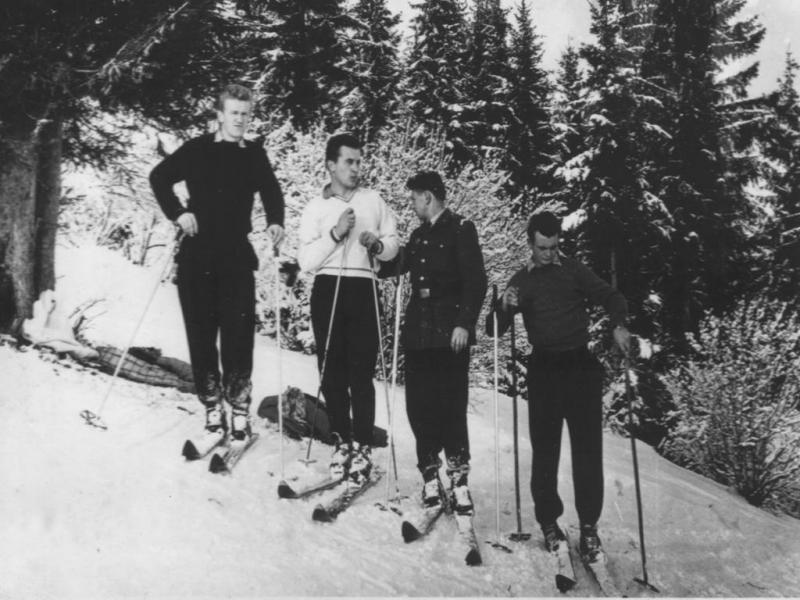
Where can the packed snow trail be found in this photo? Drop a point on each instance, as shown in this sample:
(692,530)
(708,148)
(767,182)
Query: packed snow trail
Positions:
(93,513)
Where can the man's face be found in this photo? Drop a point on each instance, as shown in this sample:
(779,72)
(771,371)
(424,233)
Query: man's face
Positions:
(233,119)
(544,249)
(420,201)
(346,168)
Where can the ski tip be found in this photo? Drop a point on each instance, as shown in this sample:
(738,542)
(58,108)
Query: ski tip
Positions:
(410,533)
(189,451)
(217,464)
(321,515)
(564,583)
(473,558)
(286,491)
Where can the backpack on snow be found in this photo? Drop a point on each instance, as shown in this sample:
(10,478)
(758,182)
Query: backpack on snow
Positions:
(298,414)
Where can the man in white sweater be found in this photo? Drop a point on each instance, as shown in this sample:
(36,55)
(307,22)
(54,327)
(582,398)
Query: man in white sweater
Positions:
(339,232)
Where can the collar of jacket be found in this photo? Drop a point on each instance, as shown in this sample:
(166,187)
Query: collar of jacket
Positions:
(443,217)
(218,138)
(327,193)
(556,261)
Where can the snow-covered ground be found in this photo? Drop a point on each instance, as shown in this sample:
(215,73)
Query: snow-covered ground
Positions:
(88,513)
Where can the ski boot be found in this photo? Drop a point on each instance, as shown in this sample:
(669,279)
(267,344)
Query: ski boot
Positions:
(553,536)
(340,461)
(215,418)
(240,427)
(461,499)
(360,462)
(432,488)
(590,545)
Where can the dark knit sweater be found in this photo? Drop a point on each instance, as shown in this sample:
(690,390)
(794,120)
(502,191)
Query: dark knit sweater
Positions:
(222,178)
(553,302)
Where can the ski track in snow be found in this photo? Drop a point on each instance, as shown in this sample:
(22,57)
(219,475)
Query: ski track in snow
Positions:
(120,513)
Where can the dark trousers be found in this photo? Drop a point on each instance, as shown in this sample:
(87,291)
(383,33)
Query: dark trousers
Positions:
(219,302)
(352,353)
(437,390)
(566,386)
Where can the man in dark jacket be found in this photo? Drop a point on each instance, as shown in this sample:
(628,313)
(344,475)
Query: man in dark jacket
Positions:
(565,380)
(448,284)
(216,285)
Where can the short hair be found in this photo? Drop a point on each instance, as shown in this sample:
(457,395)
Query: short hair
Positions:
(335,143)
(234,91)
(427,181)
(546,223)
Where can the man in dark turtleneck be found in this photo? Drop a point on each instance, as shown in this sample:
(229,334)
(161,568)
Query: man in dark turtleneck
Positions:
(216,284)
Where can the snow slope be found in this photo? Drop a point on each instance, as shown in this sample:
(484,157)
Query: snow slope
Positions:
(119,513)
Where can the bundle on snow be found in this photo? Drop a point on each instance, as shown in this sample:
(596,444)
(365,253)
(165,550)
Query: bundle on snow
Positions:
(146,365)
(298,414)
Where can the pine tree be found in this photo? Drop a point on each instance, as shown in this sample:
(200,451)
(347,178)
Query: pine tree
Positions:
(531,144)
(570,79)
(436,71)
(372,99)
(486,116)
(779,269)
(700,180)
(568,96)
(606,178)
(304,78)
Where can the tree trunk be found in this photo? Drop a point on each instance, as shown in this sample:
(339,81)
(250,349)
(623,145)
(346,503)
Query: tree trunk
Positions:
(17,226)
(48,197)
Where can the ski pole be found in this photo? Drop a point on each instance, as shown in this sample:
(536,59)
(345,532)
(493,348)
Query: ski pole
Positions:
(276,254)
(382,357)
(629,394)
(495,339)
(307,460)
(517,536)
(398,298)
(95,419)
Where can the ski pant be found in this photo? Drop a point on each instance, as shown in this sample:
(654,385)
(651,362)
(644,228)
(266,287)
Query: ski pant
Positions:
(437,390)
(352,353)
(219,302)
(566,386)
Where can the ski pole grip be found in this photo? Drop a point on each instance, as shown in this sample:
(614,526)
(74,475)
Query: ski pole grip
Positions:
(494,296)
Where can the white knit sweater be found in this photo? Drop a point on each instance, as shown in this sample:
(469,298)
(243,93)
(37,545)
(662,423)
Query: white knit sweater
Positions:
(320,254)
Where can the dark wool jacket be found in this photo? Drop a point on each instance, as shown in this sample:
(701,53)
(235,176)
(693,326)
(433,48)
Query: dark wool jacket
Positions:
(448,281)
(222,178)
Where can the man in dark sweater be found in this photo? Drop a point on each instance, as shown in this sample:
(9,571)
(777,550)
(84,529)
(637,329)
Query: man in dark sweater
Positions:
(564,379)
(216,284)
(448,283)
